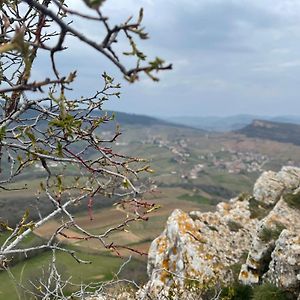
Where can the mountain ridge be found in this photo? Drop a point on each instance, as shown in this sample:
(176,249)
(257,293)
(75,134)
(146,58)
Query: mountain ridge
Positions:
(229,123)
(276,131)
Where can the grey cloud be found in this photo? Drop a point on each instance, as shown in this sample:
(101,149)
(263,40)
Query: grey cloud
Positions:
(230,56)
(212,26)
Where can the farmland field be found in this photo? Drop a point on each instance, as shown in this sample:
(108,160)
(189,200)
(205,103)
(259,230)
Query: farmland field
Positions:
(193,170)
(104,263)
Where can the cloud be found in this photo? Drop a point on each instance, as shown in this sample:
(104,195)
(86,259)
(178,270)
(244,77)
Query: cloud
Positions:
(230,56)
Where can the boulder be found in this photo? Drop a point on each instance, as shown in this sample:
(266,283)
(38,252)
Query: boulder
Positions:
(268,230)
(197,251)
(270,185)
(284,267)
(268,188)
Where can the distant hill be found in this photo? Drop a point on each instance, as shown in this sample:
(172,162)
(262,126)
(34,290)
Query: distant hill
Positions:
(212,123)
(133,119)
(230,123)
(142,121)
(281,132)
(120,118)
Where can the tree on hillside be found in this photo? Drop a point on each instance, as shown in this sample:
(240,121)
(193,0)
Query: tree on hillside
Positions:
(42,127)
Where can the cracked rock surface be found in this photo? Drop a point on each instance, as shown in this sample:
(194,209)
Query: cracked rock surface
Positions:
(197,251)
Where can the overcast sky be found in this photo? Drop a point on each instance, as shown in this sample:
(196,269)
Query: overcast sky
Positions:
(229,56)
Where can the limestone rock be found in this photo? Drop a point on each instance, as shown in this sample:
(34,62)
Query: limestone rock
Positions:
(268,231)
(197,250)
(268,188)
(284,268)
(270,185)
(290,176)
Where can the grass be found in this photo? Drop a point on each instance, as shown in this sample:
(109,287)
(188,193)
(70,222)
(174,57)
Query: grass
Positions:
(269,291)
(258,209)
(102,268)
(3,236)
(293,200)
(266,291)
(244,196)
(234,226)
(196,198)
(269,234)
(237,291)
(103,263)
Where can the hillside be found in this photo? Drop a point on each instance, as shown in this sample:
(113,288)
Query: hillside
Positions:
(213,123)
(193,170)
(275,131)
(229,123)
(134,119)
(141,137)
(120,117)
(209,167)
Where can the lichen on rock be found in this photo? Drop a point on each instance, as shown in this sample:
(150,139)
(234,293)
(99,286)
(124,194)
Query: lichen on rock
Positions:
(196,251)
(197,248)
(284,267)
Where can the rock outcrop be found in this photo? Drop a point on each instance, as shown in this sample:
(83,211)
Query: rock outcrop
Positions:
(199,251)
(284,268)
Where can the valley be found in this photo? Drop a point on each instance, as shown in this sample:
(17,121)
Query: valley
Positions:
(192,170)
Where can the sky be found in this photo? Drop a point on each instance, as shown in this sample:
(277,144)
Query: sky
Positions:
(229,56)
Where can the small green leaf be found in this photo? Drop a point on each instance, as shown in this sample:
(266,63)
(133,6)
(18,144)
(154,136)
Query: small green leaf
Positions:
(126,183)
(59,149)
(94,4)
(2,133)
(28,132)
(59,183)
(5,226)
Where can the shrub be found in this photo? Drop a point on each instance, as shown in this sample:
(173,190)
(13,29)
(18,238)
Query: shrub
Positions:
(269,291)
(293,200)
(258,209)
(237,291)
(268,234)
(234,226)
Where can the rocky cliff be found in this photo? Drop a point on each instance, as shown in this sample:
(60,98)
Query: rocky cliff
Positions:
(257,235)
(252,241)
(274,131)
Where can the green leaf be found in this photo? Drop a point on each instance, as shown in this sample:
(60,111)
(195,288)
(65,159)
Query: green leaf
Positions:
(2,133)
(25,216)
(59,183)
(28,132)
(126,183)
(95,4)
(5,226)
(59,149)
(42,186)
